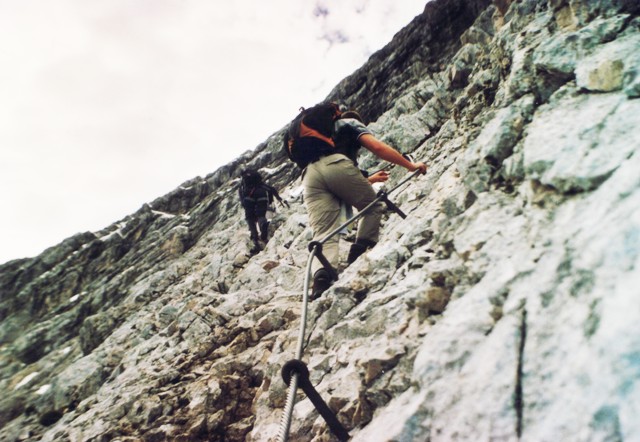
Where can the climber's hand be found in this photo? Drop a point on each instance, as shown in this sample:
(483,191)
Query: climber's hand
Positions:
(379,177)
(419,166)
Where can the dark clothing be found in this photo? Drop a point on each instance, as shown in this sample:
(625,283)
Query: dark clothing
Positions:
(310,149)
(263,224)
(256,200)
(347,131)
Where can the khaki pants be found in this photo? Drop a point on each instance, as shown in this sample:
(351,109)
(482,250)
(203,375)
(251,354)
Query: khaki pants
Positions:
(328,181)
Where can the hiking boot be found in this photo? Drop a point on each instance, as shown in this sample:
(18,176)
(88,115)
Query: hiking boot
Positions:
(321,282)
(263,226)
(358,248)
(256,248)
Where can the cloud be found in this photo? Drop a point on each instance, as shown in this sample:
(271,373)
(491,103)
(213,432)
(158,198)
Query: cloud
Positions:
(320,11)
(107,105)
(335,37)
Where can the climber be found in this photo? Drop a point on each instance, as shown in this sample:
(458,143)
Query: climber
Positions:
(256,197)
(346,142)
(330,178)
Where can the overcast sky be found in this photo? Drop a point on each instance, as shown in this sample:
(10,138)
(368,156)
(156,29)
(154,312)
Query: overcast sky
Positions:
(108,104)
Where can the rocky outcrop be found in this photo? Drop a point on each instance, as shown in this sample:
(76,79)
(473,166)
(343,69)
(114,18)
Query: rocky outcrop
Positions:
(423,47)
(502,308)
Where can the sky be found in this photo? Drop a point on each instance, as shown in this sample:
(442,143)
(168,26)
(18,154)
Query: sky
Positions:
(106,105)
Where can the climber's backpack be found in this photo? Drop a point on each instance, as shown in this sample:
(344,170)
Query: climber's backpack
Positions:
(309,136)
(251,178)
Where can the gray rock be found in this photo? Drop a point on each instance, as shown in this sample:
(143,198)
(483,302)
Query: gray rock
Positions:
(563,148)
(167,315)
(560,54)
(76,383)
(95,329)
(611,67)
(496,141)
(501,308)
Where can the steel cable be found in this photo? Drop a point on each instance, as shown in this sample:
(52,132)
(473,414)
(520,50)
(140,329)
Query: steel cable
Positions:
(285,421)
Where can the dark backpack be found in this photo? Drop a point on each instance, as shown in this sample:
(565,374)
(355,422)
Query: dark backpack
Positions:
(251,178)
(309,136)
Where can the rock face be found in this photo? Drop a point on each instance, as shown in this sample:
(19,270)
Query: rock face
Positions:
(505,307)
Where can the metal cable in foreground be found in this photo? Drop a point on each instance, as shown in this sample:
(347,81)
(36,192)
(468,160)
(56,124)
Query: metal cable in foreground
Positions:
(315,248)
(285,421)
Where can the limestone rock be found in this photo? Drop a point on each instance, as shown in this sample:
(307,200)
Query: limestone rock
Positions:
(501,308)
(569,157)
(435,300)
(607,68)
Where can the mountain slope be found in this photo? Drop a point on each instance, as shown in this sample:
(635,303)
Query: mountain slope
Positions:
(503,308)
